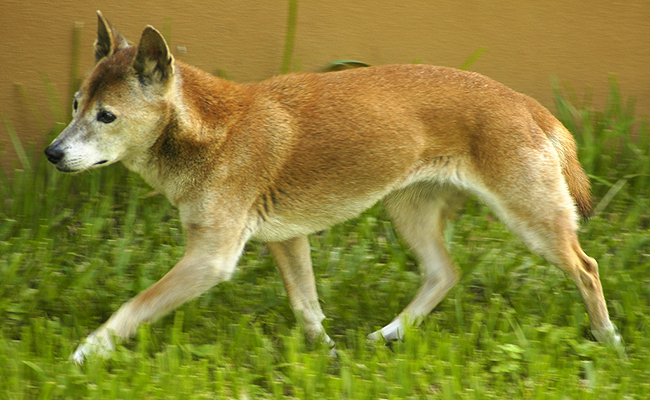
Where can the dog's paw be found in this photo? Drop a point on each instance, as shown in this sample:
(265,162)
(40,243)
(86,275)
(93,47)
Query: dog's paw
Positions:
(392,331)
(611,337)
(95,344)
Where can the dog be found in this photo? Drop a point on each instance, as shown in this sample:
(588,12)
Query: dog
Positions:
(280,159)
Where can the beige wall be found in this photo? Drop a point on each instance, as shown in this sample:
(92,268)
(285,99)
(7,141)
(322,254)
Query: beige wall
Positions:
(580,41)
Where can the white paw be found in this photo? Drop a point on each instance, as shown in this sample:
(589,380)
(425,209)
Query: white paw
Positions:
(615,339)
(392,331)
(96,343)
(610,336)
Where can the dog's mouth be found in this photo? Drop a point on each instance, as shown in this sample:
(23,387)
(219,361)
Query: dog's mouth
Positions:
(66,168)
(63,167)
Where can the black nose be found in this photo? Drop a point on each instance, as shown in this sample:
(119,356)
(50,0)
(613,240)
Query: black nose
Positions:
(54,154)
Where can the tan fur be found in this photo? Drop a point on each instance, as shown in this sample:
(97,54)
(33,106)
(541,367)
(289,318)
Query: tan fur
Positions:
(277,160)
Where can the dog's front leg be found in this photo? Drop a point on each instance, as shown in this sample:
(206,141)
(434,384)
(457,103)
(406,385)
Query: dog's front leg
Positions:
(294,262)
(197,272)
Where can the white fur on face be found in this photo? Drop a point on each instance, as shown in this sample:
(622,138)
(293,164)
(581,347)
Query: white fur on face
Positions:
(85,147)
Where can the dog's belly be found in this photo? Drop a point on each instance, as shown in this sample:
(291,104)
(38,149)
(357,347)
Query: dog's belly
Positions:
(303,221)
(313,212)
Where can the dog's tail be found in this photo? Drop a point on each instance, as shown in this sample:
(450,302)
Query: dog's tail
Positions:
(574,174)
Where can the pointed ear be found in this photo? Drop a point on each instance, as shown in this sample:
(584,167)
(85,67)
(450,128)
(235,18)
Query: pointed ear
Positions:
(154,63)
(108,40)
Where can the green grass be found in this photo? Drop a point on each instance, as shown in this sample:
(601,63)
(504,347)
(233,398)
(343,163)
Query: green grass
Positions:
(74,248)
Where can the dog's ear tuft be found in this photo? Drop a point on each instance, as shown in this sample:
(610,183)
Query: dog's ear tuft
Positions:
(154,62)
(109,40)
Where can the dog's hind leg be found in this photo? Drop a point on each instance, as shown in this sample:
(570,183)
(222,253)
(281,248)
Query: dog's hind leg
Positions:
(551,233)
(294,262)
(419,213)
(536,205)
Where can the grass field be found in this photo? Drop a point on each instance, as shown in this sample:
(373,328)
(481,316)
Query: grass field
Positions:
(73,248)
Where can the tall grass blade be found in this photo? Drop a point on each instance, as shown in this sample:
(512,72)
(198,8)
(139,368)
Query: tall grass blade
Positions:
(340,65)
(473,58)
(604,202)
(53,99)
(75,82)
(290,38)
(18,146)
(31,106)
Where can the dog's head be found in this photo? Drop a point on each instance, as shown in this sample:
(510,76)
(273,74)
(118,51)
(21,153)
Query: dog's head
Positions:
(121,106)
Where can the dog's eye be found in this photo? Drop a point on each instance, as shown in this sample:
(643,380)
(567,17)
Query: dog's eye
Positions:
(105,117)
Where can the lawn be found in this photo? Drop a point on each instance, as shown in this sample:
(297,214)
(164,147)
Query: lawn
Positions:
(74,248)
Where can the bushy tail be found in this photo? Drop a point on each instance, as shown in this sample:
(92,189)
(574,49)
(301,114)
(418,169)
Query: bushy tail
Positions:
(574,174)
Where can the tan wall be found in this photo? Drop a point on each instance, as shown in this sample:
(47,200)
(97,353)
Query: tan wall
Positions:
(580,41)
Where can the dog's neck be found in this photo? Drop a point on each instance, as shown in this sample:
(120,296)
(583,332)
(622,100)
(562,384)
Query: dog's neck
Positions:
(199,110)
